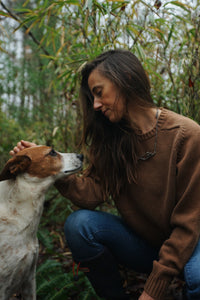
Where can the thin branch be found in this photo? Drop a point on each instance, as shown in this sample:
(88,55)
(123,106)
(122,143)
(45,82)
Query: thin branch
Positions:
(24,25)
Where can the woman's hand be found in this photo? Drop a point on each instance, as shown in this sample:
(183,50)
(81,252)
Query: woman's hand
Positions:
(20,146)
(145,296)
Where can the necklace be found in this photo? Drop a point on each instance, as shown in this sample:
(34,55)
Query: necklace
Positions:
(148,154)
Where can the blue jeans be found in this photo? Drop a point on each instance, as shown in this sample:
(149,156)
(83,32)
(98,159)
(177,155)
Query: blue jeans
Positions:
(89,232)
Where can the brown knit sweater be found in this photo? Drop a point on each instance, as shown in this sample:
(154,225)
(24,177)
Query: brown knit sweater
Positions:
(163,206)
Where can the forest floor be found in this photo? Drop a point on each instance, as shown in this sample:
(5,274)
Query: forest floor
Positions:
(134,282)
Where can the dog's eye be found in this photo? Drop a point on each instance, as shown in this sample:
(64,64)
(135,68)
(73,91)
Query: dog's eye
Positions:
(53,152)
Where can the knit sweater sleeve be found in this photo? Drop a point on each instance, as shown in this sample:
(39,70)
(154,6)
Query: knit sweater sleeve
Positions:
(185,218)
(84,192)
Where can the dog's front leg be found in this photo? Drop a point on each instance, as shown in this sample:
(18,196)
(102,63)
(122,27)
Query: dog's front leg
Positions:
(28,291)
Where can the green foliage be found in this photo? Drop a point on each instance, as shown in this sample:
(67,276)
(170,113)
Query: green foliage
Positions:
(54,284)
(57,208)
(10,132)
(63,35)
(55,279)
(45,239)
(39,84)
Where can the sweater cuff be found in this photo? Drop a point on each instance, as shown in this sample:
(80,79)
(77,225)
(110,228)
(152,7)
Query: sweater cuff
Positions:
(156,287)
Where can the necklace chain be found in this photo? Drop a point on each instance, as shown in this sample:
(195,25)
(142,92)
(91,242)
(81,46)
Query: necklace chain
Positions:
(148,154)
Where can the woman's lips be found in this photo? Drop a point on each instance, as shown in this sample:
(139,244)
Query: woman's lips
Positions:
(104,112)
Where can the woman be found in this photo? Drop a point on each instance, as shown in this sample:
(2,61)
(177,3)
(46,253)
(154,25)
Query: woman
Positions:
(146,159)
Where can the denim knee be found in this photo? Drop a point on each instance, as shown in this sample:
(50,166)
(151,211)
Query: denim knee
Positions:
(79,235)
(192,275)
(75,223)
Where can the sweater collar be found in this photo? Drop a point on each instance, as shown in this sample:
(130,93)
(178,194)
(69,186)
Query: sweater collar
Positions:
(152,132)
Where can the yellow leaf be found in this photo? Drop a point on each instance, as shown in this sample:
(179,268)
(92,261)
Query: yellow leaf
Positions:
(156,29)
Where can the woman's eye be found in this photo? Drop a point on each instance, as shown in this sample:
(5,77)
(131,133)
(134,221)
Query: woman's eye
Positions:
(98,94)
(53,152)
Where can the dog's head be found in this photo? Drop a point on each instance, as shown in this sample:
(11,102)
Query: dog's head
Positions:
(42,162)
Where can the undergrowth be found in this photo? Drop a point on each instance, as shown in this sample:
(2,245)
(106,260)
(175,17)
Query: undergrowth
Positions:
(55,279)
(54,284)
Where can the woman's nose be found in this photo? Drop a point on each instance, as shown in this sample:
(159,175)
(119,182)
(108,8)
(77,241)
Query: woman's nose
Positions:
(97,103)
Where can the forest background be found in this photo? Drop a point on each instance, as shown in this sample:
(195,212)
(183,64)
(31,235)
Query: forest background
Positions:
(43,46)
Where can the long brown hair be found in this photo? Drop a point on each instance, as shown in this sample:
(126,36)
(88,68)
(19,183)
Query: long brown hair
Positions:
(113,146)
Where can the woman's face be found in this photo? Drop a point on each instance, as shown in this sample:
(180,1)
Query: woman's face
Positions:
(107,98)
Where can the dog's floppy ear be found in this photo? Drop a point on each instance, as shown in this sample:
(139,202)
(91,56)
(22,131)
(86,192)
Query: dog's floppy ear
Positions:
(16,165)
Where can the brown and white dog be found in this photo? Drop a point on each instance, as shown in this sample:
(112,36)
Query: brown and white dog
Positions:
(25,179)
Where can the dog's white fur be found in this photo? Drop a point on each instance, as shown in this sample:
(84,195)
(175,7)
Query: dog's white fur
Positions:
(24,181)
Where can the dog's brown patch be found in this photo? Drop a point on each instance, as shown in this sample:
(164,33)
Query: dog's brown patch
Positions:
(43,163)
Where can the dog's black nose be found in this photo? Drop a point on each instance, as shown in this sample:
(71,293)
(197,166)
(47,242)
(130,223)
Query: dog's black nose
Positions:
(80,156)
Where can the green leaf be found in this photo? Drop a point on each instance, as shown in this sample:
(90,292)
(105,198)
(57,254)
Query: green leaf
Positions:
(49,56)
(45,238)
(160,21)
(2,13)
(178,3)
(23,10)
(74,2)
(140,52)
(48,265)
(32,18)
